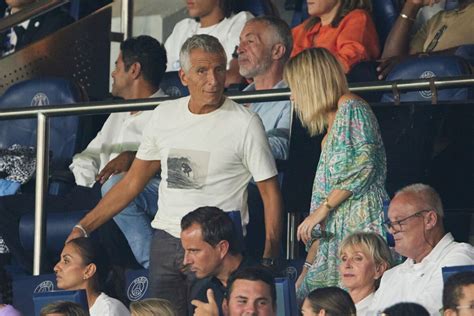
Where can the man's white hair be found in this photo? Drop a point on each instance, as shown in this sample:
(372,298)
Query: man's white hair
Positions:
(426,196)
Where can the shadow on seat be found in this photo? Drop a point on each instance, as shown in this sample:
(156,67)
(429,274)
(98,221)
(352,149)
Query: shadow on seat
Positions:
(172,86)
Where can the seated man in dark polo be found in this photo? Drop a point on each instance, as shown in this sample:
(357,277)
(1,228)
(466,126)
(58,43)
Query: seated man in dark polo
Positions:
(251,291)
(212,250)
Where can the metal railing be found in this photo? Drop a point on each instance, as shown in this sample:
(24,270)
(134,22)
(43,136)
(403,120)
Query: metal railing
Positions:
(33,10)
(42,114)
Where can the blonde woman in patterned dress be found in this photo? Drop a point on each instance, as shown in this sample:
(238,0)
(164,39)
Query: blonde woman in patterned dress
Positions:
(348,190)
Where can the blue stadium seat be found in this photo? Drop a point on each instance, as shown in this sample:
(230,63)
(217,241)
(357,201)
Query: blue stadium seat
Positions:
(171,85)
(449,271)
(59,225)
(286,297)
(24,288)
(428,67)
(65,132)
(385,13)
(256,7)
(42,299)
(136,284)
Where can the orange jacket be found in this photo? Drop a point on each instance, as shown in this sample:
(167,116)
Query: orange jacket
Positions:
(353,40)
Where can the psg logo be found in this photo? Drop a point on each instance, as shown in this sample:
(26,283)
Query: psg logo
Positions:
(40,99)
(137,288)
(45,286)
(425,75)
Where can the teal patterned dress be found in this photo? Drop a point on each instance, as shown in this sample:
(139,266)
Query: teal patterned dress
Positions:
(353,159)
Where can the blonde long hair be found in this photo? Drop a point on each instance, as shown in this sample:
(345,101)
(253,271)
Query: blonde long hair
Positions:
(151,307)
(317,82)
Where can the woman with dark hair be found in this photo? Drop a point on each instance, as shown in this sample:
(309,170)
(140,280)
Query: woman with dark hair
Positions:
(345,28)
(402,309)
(328,301)
(84,266)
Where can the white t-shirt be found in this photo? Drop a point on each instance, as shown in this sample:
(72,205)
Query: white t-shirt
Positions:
(206,159)
(108,306)
(363,306)
(227,32)
(422,282)
(121,132)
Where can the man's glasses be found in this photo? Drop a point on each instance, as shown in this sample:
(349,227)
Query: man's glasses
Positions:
(397,225)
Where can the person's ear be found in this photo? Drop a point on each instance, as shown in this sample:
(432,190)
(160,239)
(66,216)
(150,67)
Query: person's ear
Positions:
(183,77)
(322,312)
(431,220)
(278,51)
(380,269)
(223,248)
(449,312)
(90,271)
(135,70)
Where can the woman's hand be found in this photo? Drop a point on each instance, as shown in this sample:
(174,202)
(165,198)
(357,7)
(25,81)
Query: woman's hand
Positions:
(304,229)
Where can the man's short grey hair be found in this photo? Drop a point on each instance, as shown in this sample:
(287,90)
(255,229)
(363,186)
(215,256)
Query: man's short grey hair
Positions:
(280,30)
(207,43)
(427,197)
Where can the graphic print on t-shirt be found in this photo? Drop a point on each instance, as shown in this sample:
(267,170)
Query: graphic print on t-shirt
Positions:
(187,169)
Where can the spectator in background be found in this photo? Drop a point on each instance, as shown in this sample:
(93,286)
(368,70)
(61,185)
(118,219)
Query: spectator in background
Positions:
(265,46)
(251,292)
(345,28)
(458,294)
(84,265)
(63,308)
(349,185)
(207,148)
(404,309)
(211,17)
(212,251)
(31,30)
(152,307)
(416,223)
(329,301)
(364,259)
(138,72)
(440,35)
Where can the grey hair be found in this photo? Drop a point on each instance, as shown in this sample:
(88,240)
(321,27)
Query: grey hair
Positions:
(207,43)
(426,195)
(280,30)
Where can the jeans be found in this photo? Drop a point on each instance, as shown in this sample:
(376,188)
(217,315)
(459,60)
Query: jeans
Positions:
(135,219)
(167,278)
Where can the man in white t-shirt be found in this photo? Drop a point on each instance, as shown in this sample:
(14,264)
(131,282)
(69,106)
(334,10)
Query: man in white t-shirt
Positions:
(207,148)
(416,222)
(212,17)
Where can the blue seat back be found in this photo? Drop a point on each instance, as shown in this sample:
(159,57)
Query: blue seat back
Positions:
(136,284)
(428,67)
(59,225)
(25,286)
(449,271)
(44,298)
(385,13)
(43,92)
(256,7)
(286,297)
(171,85)
(300,14)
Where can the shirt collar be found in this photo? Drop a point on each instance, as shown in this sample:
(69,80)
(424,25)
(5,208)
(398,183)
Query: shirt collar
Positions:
(279,85)
(434,255)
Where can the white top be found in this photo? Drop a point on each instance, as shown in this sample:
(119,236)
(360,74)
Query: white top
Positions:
(108,306)
(206,159)
(422,282)
(121,132)
(362,308)
(227,32)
